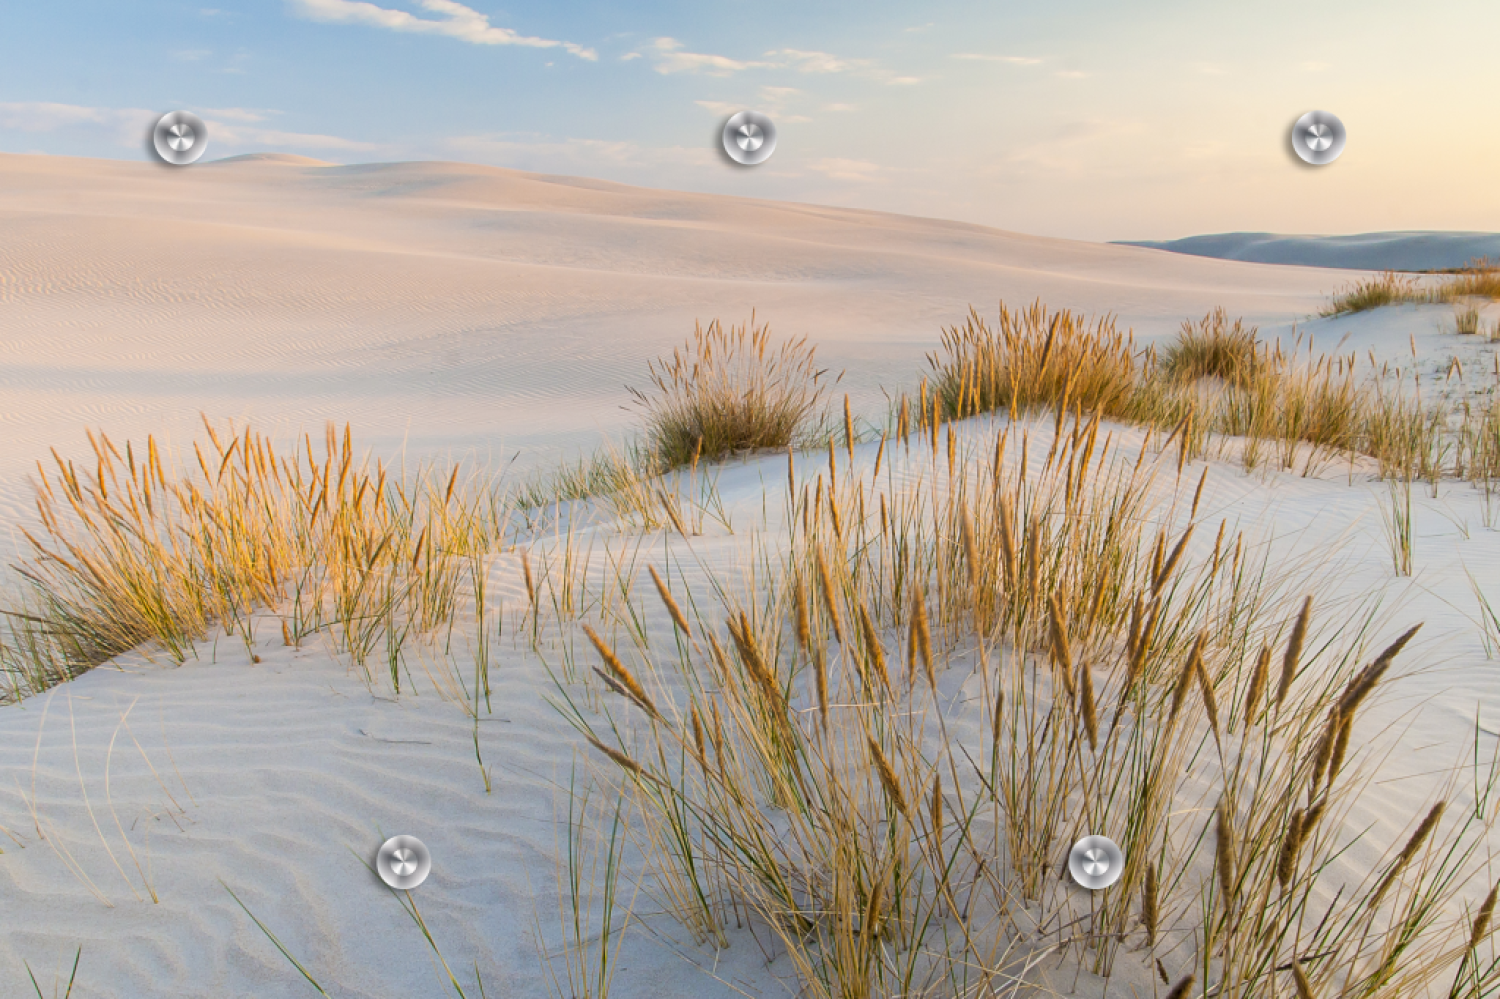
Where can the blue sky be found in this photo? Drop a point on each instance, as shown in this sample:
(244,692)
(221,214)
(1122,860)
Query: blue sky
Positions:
(1079,118)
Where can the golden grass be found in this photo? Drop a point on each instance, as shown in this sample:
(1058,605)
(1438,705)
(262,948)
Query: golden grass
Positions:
(1213,347)
(1290,410)
(891,852)
(728,391)
(1480,278)
(893,839)
(132,553)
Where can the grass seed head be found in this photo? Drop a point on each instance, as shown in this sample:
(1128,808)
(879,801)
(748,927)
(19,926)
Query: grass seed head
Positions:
(1293,651)
(666,598)
(620,673)
(1299,979)
(1149,904)
(829,603)
(1061,654)
(1224,855)
(804,625)
(1480,928)
(887,776)
(1258,679)
(1183,987)
(1291,848)
(874,654)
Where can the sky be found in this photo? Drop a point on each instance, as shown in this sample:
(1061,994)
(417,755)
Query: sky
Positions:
(1086,119)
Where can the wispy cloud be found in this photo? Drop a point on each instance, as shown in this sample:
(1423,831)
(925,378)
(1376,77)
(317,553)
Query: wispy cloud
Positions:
(819,62)
(846,169)
(669,56)
(809,61)
(840,107)
(454,21)
(241,137)
(233,127)
(1012,60)
(238,114)
(126,125)
(583,157)
(1070,74)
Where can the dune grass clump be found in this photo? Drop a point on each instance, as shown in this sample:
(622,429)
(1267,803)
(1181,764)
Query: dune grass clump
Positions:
(1466,321)
(1213,347)
(880,753)
(1032,358)
(729,391)
(132,551)
(1294,409)
(1480,278)
(1388,288)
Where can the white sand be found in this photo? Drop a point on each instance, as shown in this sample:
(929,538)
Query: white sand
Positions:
(480,311)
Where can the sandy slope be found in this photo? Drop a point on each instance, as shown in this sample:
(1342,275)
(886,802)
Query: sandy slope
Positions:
(279,778)
(460,307)
(483,310)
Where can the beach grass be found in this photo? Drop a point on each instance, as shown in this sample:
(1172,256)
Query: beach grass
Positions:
(727,391)
(1480,278)
(877,742)
(821,777)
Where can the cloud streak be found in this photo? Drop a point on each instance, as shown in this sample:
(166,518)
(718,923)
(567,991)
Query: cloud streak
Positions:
(454,21)
(668,56)
(1010,59)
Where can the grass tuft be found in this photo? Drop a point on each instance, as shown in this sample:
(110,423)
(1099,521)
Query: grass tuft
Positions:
(729,391)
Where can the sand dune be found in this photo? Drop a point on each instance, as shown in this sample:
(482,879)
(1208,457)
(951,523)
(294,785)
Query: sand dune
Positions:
(1401,251)
(456,307)
(458,310)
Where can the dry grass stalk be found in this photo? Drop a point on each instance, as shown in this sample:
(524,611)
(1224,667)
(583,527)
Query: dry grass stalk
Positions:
(1258,679)
(1224,856)
(922,636)
(672,608)
(887,776)
(1086,705)
(1480,928)
(1293,651)
(1149,904)
(620,674)
(1210,702)
(1165,572)
(874,654)
(1300,981)
(1061,654)
(804,620)
(1409,850)
(1360,687)
(830,606)
(1183,987)
(1291,848)
(1186,678)
(725,392)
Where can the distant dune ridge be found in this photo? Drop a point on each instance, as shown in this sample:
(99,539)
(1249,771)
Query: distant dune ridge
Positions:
(1416,250)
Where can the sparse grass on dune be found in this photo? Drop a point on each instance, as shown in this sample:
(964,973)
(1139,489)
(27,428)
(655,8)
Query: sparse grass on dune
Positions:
(1213,347)
(874,745)
(813,769)
(1032,358)
(1387,288)
(131,552)
(1272,405)
(729,391)
(1479,279)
